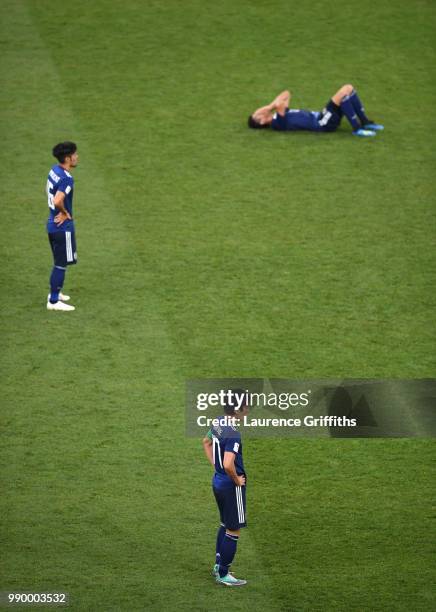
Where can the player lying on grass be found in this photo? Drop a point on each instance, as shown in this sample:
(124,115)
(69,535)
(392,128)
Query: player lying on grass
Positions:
(279,116)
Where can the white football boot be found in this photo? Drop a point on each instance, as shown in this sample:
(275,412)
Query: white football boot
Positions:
(62,297)
(60,306)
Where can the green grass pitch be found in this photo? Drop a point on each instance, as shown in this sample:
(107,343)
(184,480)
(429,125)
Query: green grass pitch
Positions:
(209,250)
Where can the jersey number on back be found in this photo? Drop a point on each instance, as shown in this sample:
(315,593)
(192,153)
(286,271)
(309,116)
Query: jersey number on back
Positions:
(50,195)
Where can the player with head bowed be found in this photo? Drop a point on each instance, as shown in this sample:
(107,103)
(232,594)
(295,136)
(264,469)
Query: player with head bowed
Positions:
(223,448)
(345,102)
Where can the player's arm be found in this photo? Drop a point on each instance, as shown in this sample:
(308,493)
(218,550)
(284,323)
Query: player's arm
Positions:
(59,202)
(207,446)
(281,102)
(229,466)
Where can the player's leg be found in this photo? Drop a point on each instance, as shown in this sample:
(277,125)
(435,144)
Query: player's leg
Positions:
(348,92)
(342,93)
(227,554)
(221,530)
(234,520)
(57,278)
(343,98)
(367,124)
(60,255)
(71,249)
(219,540)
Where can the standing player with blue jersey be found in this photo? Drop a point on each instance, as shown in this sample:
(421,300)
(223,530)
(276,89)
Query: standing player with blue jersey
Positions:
(60,224)
(345,102)
(223,448)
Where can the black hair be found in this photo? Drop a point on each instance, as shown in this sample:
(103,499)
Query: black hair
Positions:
(230,407)
(252,123)
(63,150)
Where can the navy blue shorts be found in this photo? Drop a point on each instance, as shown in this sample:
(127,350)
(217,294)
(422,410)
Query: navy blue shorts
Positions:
(231,504)
(330,117)
(63,246)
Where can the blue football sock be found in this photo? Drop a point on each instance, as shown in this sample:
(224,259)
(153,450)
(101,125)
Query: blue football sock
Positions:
(358,107)
(219,538)
(56,283)
(348,110)
(227,552)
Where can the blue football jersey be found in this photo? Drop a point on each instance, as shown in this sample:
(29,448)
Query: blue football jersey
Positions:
(295,119)
(226,438)
(60,180)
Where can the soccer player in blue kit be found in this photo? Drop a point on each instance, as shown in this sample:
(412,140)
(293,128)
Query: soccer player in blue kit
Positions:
(223,449)
(345,102)
(60,224)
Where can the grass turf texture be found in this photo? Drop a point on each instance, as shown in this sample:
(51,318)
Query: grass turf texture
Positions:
(207,250)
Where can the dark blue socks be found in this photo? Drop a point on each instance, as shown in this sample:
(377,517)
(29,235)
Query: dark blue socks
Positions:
(350,112)
(56,283)
(227,553)
(219,538)
(353,110)
(358,107)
